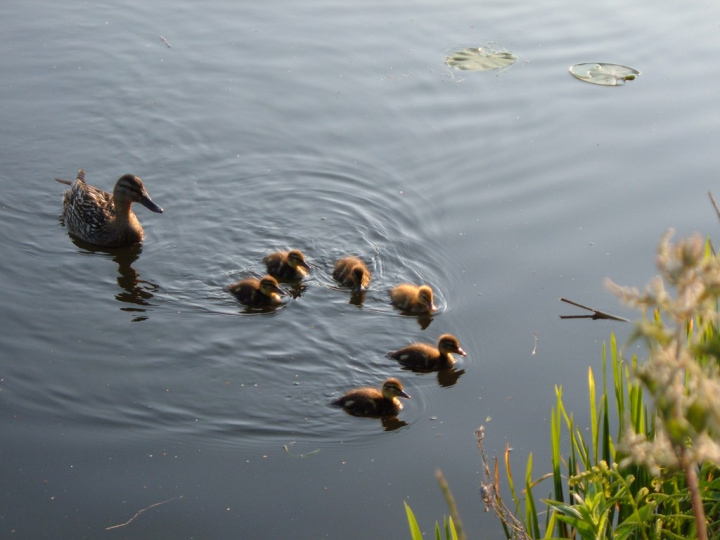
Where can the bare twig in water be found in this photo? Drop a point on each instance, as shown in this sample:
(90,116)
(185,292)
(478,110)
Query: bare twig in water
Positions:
(129,521)
(597,314)
(165,41)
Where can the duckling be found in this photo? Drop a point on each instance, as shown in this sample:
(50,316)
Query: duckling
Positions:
(105,219)
(413,298)
(352,272)
(374,402)
(287,264)
(426,356)
(256,292)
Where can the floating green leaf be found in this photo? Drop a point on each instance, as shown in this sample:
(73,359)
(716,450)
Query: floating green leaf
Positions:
(604,74)
(480,59)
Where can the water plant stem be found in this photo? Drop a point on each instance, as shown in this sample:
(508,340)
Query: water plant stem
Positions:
(694,488)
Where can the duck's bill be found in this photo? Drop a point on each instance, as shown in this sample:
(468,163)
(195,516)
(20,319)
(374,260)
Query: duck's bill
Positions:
(461,352)
(404,394)
(148,203)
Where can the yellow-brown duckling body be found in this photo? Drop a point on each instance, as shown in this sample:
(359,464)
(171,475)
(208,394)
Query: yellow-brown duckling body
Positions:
(374,402)
(102,218)
(426,356)
(287,264)
(352,272)
(256,292)
(413,298)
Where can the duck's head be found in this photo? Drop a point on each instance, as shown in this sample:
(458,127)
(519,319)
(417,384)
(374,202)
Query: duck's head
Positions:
(269,287)
(296,259)
(393,388)
(425,297)
(130,188)
(447,343)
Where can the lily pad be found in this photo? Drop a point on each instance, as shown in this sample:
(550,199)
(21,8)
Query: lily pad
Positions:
(604,74)
(480,59)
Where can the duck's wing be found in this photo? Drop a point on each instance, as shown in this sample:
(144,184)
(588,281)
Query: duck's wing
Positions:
(412,353)
(88,210)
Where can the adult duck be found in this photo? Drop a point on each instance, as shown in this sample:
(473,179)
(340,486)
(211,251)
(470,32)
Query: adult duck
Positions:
(105,219)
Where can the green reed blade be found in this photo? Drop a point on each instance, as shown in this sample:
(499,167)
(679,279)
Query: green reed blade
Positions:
(531,520)
(412,523)
(594,431)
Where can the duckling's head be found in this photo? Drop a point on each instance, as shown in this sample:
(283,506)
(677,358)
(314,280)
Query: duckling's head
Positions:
(359,277)
(393,388)
(425,297)
(447,343)
(296,258)
(269,287)
(129,189)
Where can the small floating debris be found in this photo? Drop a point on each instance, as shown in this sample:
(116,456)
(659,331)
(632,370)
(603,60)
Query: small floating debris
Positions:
(302,456)
(604,74)
(480,59)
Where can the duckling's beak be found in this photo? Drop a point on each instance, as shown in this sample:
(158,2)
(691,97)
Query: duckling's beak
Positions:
(148,203)
(305,265)
(461,352)
(404,394)
(432,307)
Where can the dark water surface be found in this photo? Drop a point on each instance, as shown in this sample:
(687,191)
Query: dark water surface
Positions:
(129,377)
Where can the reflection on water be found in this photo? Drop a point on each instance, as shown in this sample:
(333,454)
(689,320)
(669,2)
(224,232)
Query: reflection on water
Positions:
(389,422)
(269,308)
(357,298)
(134,290)
(448,377)
(295,289)
(423,320)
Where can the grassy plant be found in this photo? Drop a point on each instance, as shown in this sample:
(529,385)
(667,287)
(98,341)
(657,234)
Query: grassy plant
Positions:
(679,375)
(597,492)
(658,477)
(452,525)
(448,527)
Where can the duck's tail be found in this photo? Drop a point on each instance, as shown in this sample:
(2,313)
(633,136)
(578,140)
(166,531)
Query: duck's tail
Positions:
(80,176)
